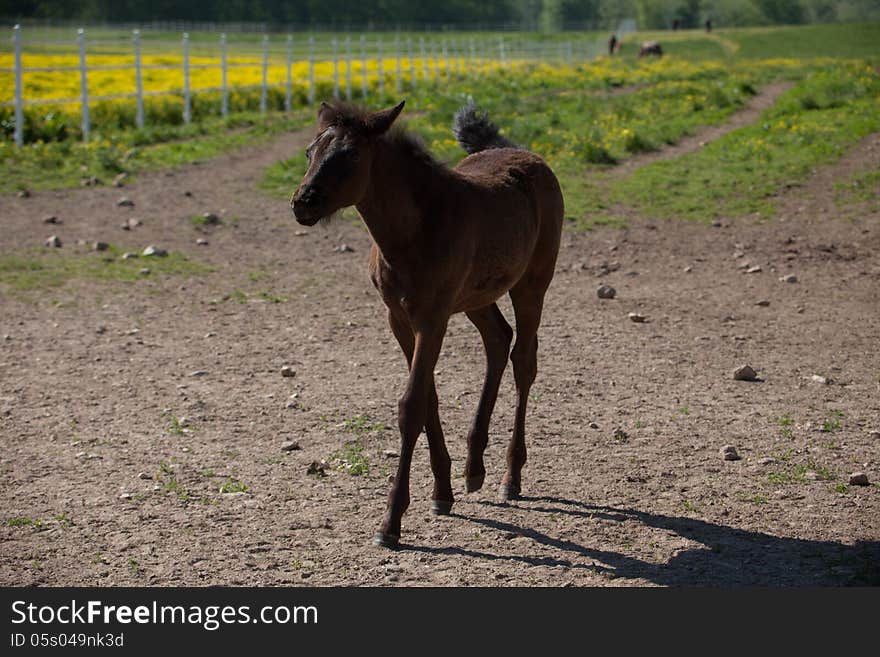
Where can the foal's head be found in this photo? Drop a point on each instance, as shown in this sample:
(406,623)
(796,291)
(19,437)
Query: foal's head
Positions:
(340,158)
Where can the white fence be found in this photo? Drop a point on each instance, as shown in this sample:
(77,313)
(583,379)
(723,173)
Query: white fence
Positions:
(413,58)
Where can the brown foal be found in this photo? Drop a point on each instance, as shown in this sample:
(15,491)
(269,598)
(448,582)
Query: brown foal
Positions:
(444,241)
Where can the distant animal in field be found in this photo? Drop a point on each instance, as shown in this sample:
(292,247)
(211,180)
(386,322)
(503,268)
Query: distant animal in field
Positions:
(651,48)
(445,241)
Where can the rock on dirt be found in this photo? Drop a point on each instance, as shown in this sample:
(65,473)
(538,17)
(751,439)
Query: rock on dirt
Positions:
(202,242)
(344,248)
(762,302)
(210,219)
(790,278)
(824,380)
(154,251)
(119,181)
(745,373)
(23,193)
(125,202)
(606,292)
(287,371)
(289,446)
(53,241)
(637,318)
(728,453)
(316,469)
(145,475)
(100,246)
(51,219)
(858,479)
(754,270)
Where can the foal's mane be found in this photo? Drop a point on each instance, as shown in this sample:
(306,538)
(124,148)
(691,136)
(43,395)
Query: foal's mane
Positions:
(352,116)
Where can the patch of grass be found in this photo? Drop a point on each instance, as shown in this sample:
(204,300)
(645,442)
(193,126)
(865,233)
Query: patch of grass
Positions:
(167,479)
(785,420)
(830,425)
(175,428)
(779,478)
(54,268)
(690,506)
(620,436)
(352,458)
(233,486)
(361,424)
(759,499)
(61,164)
(841,488)
(201,220)
(271,298)
(64,520)
(24,522)
(812,124)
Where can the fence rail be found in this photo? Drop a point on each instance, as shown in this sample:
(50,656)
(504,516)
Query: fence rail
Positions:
(280,62)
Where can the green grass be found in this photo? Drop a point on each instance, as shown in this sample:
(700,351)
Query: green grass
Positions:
(62,164)
(233,486)
(24,522)
(352,459)
(55,267)
(361,424)
(811,125)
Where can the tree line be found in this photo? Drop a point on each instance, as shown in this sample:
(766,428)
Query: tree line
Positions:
(546,15)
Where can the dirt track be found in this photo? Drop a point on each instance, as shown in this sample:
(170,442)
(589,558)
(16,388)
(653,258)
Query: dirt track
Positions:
(84,413)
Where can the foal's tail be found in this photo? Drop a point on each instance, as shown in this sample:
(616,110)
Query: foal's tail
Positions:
(475,132)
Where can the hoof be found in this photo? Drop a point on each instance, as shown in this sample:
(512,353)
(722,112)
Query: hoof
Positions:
(474,484)
(386,540)
(441,507)
(509,493)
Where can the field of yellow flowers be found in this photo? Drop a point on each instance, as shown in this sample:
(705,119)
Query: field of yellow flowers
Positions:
(51,84)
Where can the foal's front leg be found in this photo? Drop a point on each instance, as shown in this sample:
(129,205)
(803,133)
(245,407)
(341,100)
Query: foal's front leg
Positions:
(441,465)
(411,416)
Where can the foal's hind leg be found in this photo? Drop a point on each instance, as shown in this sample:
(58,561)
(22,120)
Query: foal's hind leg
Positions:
(528,301)
(441,464)
(497,335)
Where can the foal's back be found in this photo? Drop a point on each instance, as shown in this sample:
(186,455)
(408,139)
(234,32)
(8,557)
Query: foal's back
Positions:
(509,218)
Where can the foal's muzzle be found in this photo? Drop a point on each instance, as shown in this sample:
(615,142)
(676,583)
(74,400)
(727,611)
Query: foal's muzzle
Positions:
(305,205)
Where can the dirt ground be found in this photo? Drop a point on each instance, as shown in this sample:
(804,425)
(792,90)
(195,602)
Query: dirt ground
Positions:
(125,407)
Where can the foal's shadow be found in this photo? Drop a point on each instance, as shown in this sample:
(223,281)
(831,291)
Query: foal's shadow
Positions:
(726,557)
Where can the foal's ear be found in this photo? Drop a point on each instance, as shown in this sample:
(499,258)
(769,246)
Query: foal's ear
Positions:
(378,122)
(326,115)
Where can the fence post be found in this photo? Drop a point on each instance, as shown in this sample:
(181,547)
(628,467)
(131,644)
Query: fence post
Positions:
(424,59)
(399,83)
(363,67)
(381,69)
(187,113)
(224,83)
(288,94)
(138,80)
(19,98)
(347,67)
(412,63)
(264,83)
(335,68)
(311,70)
(84,82)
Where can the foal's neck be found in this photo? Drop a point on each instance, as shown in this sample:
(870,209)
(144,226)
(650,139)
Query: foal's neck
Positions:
(404,182)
